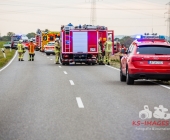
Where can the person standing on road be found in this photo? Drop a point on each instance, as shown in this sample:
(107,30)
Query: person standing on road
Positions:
(57,50)
(122,50)
(31,49)
(108,50)
(20,48)
(100,56)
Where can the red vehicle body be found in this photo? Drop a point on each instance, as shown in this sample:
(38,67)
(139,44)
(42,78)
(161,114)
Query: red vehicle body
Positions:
(15,38)
(80,45)
(146,58)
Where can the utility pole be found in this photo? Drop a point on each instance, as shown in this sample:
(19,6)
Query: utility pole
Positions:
(93,12)
(168,20)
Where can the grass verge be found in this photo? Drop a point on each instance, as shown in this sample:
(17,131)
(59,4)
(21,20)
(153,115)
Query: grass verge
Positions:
(115,61)
(9,56)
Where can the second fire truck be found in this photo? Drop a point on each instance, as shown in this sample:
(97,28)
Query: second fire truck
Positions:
(79,44)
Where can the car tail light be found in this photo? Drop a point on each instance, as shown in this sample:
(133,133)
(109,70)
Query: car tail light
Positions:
(135,58)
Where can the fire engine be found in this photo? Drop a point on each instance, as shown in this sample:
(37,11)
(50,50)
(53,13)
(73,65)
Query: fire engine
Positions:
(42,38)
(79,44)
(15,38)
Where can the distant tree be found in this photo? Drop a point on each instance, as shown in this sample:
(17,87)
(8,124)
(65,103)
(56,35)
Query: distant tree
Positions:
(46,30)
(10,34)
(117,39)
(31,35)
(127,40)
(5,38)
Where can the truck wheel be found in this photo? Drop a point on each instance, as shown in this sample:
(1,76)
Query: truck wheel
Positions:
(122,77)
(129,80)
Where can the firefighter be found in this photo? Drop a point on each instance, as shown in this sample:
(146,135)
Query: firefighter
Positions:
(57,50)
(122,50)
(108,50)
(100,56)
(20,48)
(31,48)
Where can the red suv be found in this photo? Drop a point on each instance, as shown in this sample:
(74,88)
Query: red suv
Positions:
(148,57)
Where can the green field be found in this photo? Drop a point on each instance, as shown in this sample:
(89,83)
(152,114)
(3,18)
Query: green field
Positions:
(9,56)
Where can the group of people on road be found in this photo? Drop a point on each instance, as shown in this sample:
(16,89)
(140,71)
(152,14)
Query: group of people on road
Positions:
(105,52)
(21,50)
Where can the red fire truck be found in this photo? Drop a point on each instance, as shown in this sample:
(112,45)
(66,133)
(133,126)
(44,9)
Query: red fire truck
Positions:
(79,44)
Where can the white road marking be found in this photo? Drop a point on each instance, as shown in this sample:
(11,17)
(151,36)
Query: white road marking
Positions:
(148,80)
(51,59)
(79,102)
(159,84)
(71,82)
(47,57)
(9,62)
(59,66)
(65,72)
(113,67)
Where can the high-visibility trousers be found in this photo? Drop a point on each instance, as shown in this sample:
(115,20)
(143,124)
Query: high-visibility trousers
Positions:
(107,57)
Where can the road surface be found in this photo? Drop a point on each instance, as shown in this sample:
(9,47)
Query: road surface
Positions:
(43,101)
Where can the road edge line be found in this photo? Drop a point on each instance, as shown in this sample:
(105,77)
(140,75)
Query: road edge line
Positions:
(9,62)
(148,80)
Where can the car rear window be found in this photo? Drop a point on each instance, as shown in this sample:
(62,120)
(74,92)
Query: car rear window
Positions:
(153,49)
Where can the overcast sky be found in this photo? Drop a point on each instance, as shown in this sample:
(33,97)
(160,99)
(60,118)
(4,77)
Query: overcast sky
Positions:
(125,17)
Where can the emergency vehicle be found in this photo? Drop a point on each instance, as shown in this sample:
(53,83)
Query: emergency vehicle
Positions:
(148,57)
(42,38)
(15,38)
(79,44)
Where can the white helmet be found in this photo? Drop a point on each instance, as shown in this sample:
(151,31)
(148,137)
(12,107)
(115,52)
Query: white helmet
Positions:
(57,39)
(31,40)
(20,41)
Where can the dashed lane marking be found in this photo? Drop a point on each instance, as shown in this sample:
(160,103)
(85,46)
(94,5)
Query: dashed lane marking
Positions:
(71,82)
(79,102)
(65,72)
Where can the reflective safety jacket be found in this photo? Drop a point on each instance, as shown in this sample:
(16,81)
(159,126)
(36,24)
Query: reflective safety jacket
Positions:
(20,47)
(57,47)
(99,47)
(108,46)
(31,48)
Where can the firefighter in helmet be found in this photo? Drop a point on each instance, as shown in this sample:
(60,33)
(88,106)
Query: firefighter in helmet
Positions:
(108,50)
(31,50)
(20,48)
(57,50)
(100,56)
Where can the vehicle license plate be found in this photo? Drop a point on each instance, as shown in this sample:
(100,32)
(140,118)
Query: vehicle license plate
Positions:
(155,62)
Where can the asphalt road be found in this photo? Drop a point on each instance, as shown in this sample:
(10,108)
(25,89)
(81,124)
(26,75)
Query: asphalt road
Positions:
(43,101)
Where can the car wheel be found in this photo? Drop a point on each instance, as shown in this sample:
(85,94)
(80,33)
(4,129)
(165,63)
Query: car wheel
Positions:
(122,77)
(129,80)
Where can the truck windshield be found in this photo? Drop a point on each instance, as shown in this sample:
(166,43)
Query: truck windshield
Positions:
(153,49)
(16,38)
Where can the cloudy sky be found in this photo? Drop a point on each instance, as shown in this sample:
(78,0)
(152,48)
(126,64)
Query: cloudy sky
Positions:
(125,17)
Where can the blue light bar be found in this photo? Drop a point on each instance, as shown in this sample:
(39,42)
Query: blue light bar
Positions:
(150,37)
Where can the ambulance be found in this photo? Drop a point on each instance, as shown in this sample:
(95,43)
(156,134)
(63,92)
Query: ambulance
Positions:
(42,38)
(79,44)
